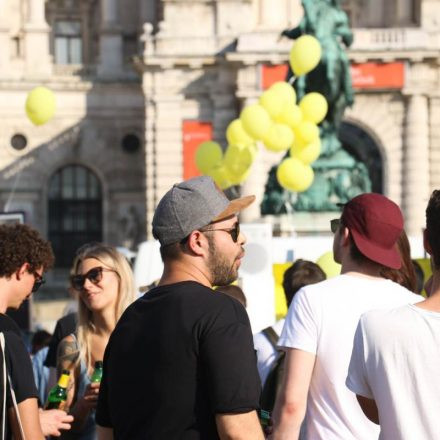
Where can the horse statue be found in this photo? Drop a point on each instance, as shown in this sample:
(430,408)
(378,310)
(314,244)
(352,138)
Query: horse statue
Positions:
(337,174)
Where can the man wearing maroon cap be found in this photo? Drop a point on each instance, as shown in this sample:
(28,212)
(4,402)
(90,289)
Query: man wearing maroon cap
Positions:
(322,319)
(395,362)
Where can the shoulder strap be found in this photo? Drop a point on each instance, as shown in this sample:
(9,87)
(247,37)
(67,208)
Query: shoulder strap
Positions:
(2,343)
(8,383)
(272,335)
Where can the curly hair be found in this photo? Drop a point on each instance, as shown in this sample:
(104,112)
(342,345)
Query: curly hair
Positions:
(20,244)
(433,226)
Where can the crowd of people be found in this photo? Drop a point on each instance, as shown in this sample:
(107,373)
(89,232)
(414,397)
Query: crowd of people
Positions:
(355,358)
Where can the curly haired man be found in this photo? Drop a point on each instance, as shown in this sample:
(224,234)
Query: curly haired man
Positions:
(24,257)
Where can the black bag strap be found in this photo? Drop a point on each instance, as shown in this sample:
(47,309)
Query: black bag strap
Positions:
(272,335)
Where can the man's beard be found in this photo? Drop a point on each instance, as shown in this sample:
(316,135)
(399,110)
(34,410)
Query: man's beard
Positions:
(223,272)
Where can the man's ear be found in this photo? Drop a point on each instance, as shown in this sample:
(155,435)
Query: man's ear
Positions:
(197,243)
(22,270)
(345,235)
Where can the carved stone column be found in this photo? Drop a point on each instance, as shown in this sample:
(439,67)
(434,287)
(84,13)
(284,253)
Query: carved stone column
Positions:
(36,40)
(415,179)
(110,42)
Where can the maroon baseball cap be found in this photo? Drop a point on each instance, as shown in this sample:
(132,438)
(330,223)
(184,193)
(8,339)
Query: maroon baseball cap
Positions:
(375,223)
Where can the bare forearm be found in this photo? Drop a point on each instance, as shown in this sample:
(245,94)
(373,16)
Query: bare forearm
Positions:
(239,426)
(287,420)
(30,420)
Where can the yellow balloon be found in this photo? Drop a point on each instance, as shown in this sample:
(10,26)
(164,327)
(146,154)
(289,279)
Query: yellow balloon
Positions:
(40,105)
(235,133)
(305,54)
(327,263)
(272,102)
(279,137)
(290,115)
(238,158)
(293,175)
(308,153)
(237,178)
(209,154)
(314,107)
(285,90)
(220,176)
(256,121)
(307,131)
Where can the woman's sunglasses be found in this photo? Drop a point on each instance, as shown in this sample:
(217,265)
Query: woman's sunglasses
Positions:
(93,275)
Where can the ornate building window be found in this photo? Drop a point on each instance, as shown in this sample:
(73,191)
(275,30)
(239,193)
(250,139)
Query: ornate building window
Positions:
(68,42)
(380,14)
(75,211)
(75,29)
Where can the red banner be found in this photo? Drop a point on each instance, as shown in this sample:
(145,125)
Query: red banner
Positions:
(364,76)
(378,75)
(193,133)
(271,74)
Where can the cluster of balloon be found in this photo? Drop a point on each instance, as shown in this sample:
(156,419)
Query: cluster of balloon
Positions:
(279,123)
(40,105)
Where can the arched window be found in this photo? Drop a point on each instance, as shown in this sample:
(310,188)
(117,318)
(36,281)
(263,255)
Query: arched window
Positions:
(363,148)
(75,211)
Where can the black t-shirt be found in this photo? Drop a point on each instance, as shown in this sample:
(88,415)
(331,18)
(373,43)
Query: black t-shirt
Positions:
(179,355)
(65,326)
(18,363)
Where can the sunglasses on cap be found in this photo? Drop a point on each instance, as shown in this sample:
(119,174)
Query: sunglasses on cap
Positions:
(234,232)
(335,224)
(94,275)
(39,281)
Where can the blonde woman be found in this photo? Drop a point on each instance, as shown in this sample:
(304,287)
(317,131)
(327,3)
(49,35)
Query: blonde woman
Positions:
(104,281)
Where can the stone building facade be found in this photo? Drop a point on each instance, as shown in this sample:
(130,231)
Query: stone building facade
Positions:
(128,75)
(209,71)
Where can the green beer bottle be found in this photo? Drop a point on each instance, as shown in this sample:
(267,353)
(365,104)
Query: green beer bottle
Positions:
(58,394)
(97,373)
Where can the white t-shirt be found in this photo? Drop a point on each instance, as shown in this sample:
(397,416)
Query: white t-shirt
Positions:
(396,362)
(266,353)
(322,320)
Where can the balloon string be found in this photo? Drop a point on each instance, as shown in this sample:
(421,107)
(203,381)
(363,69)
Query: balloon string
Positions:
(292,80)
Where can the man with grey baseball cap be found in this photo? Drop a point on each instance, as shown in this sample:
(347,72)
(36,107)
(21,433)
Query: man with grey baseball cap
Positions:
(182,355)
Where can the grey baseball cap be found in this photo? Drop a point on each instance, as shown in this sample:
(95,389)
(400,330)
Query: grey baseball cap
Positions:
(190,205)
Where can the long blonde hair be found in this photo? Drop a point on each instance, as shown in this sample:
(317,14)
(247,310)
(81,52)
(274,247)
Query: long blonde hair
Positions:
(112,259)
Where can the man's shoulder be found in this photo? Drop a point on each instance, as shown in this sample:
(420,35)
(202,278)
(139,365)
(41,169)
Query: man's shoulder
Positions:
(379,319)
(7,324)
(322,288)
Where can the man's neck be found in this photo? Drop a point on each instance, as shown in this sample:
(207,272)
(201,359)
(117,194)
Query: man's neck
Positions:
(176,272)
(4,294)
(433,302)
(364,269)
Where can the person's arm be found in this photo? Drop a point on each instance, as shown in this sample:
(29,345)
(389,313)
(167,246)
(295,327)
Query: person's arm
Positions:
(369,408)
(290,407)
(104,433)
(30,420)
(67,355)
(245,426)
